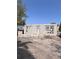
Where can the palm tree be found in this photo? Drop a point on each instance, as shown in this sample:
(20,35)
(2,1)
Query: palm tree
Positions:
(20,13)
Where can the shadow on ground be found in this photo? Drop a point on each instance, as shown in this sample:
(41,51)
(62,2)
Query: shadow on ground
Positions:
(22,51)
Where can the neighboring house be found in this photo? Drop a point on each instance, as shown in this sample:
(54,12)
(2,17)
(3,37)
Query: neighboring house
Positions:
(20,30)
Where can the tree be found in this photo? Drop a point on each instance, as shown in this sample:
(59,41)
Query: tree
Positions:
(20,13)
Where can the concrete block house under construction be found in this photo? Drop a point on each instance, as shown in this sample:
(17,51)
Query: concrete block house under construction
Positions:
(38,30)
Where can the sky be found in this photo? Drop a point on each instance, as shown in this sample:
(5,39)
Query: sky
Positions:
(43,11)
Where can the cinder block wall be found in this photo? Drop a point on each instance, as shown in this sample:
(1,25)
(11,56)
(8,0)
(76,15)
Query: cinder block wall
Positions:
(41,30)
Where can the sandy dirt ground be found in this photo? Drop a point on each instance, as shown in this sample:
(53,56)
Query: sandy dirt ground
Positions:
(39,47)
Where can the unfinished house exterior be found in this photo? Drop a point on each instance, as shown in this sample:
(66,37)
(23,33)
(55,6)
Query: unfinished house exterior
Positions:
(39,29)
